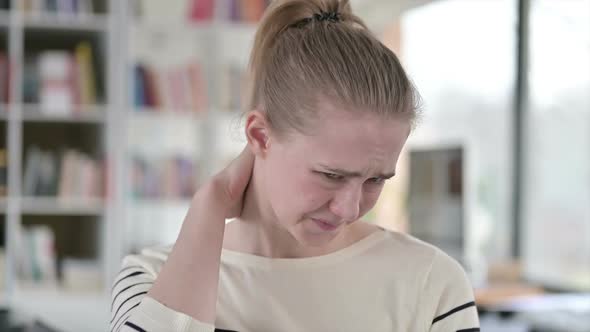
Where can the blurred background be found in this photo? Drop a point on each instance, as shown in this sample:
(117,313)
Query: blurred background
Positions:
(112,113)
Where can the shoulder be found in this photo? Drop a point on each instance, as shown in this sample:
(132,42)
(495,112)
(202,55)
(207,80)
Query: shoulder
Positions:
(441,282)
(445,295)
(150,259)
(406,248)
(410,261)
(429,257)
(440,269)
(448,298)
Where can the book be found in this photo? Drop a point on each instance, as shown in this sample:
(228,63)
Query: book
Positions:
(61,8)
(139,95)
(80,176)
(165,178)
(36,254)
(201,10)
(249,11)
(197,88)
(179,88)
(85,74)
(51,6)
(32,162)
(56,89)
(65,175)
(30,80)
(252,10)
(61,81)
(233,89)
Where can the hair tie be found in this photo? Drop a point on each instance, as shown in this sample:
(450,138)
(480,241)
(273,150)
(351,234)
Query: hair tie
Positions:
(325,16)
(320,17)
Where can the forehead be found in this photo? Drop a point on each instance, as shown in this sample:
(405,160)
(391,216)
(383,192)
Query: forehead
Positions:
(354,139)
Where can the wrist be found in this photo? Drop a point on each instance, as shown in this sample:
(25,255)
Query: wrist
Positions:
(211,195)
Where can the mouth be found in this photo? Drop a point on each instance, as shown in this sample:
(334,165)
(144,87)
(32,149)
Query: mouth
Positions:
(324,225)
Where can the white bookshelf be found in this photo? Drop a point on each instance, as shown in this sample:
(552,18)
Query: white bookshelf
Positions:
(88,114)
(48,21)
(165,42)
(85,227)
(51,206)
(71,311)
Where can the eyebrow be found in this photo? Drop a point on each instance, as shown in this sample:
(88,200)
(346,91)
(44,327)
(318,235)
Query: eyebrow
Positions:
(354,174)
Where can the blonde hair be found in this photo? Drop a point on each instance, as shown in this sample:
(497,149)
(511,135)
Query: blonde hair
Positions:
(308,50)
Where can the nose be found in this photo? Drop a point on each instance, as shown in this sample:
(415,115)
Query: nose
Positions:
(346,203)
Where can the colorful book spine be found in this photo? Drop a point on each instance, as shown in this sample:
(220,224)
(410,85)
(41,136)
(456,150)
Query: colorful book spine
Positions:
(180,89)
(201,10)
(86,81)
(54,7)
(167,178)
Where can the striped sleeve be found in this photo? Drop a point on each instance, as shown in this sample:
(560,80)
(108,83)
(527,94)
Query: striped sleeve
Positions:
(448,298)
(132,310)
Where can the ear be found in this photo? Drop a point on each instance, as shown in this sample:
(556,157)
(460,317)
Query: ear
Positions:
(258,132)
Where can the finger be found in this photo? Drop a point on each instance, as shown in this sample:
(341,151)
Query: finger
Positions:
(240,171)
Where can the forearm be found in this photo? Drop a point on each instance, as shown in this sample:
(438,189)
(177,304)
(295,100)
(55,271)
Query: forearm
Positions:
(188,281)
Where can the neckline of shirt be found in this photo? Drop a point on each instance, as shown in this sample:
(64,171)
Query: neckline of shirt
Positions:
(232,257)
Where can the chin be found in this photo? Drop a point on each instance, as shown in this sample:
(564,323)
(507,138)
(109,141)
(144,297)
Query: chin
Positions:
(310,236)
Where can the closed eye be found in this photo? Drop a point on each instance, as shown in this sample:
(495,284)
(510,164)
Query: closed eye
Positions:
(377,181)
(333,176)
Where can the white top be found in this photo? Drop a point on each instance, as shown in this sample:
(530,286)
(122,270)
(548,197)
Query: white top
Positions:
(387,281)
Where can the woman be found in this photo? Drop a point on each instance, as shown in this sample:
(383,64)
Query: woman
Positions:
(331,109)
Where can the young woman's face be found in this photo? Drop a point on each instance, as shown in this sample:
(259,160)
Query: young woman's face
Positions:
(319,184)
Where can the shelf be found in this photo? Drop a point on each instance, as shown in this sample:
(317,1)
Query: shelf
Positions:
(160,202)
(64,310)
(161,114)
(227,115)
(49,21)
(222,25)
(62,206)
(233,27)
(87,114)
(143,25)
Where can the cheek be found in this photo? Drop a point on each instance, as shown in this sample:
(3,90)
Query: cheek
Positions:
(311,195)
(294,193)
(369,200)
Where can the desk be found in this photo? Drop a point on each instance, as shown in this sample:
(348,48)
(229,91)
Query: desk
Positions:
(539,310)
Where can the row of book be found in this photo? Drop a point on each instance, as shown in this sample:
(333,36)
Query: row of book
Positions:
(178,88)
(60,81)
(61,7)
(37,255)
(245,10)
(233,88)
(167,178)
(65,174)
(39,264)
(202,10)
